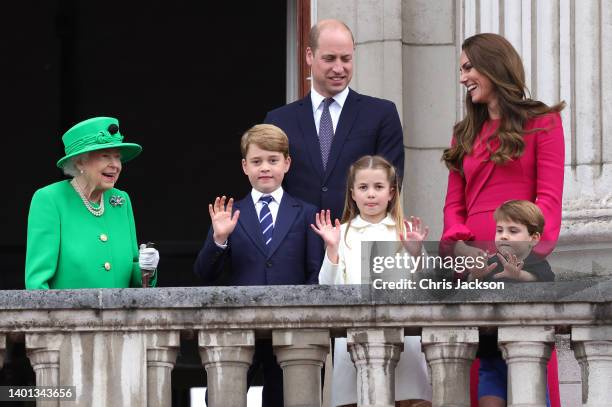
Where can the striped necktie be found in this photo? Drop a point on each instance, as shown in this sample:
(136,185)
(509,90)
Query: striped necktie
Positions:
(326,131)
(265,219)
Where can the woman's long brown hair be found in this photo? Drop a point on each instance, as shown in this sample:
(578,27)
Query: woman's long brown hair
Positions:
(494,57)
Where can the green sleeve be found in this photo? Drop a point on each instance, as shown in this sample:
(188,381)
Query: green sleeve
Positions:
(136,280)
(43,244)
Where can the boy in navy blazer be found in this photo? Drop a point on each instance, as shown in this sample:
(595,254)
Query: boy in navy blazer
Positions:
(266,236)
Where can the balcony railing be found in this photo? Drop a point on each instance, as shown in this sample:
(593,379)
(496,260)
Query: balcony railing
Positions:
(114,344)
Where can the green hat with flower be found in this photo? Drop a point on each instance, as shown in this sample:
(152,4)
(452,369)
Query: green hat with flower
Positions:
(94,134)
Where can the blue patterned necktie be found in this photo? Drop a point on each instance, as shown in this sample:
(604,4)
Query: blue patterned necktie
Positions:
(326,131)
(265,219)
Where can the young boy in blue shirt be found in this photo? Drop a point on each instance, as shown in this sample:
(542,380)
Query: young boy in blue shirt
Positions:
(266,236)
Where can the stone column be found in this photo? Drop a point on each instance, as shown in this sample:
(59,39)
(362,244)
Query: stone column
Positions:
(161,357)
(375,353)
(546,78)
(450,353)
(301,353)
(526,351)
(43,350)
(513,21)
(429,61)
(593,350)
(377,28)
(226,356)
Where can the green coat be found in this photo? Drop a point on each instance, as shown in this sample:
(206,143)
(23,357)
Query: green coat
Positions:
(68,247)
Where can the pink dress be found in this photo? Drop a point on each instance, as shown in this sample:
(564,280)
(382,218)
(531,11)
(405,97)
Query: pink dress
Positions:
(537,176)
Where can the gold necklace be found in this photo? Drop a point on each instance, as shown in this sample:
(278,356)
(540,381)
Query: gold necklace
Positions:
(94,211)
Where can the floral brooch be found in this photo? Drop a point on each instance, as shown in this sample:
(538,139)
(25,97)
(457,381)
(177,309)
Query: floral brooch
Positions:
(116,200)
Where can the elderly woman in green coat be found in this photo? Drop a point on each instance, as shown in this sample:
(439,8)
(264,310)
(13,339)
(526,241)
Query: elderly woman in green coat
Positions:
(81,232)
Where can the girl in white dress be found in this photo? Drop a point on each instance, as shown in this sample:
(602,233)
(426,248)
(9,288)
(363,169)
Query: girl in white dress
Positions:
(372,212)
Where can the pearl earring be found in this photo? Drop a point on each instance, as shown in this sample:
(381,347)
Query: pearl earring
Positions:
(81,171)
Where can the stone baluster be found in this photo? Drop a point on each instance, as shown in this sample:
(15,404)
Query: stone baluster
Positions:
(593,350)
(375,353)
(301,353)
(226,356)
(161,357)
(450,353)
(526,350)
(43,350)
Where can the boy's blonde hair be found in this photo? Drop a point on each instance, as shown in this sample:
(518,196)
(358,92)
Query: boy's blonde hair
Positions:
(267,137)
(394,206)
(521,211)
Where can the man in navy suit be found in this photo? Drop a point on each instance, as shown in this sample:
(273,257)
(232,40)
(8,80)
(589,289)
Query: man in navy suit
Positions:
(333,125)
(266,236)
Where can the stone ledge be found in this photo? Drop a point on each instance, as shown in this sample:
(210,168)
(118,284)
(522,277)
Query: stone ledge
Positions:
(587,302)
(338,317)
(591,290)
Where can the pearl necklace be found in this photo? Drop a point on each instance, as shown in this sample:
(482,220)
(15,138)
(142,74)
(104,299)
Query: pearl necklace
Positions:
(94,211)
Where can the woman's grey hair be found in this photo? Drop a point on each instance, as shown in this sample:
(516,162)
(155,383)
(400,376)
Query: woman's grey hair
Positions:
(70,168)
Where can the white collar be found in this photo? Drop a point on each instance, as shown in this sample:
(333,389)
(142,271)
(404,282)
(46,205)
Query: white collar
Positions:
(358,222)
(277,195)
(317,98)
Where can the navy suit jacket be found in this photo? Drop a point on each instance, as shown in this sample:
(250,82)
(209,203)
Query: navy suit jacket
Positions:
(367,126)
(294,255)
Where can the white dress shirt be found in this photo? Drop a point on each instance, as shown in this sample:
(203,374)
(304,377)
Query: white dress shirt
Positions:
(273,205)
(334,109)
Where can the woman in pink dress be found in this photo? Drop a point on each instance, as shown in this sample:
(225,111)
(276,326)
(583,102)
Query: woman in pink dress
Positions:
(507,146)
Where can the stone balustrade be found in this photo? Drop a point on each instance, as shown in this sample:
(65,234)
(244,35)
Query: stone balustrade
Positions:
(118,347)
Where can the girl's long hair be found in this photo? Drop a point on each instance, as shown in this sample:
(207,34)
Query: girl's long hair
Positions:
(494,57)
(394,206)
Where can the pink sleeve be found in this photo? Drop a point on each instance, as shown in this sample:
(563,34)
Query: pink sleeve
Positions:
(550,159)
(455,211)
